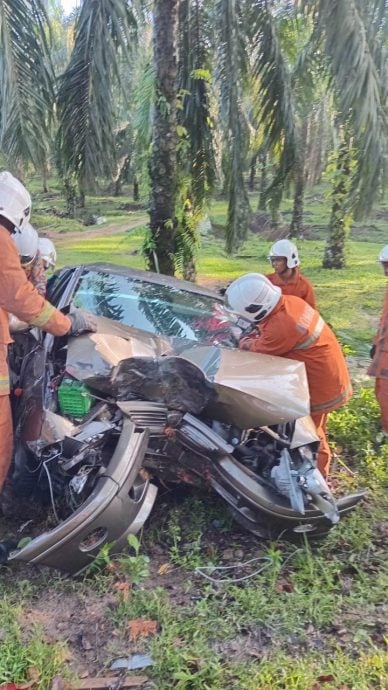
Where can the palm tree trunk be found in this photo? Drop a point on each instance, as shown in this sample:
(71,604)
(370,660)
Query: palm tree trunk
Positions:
(121,174)
(160,249)
(263,180)
(296,227)
(45,174)
(135,186)
(334,256)
(252,172)
(70,189)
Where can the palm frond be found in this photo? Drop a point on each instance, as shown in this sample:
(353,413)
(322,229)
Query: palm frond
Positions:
(194,115)
(105,34)
(26,80)
(143,98)
(354,38)
(275,98)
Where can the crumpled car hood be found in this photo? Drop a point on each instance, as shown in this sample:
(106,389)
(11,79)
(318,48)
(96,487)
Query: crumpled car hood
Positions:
(243,388)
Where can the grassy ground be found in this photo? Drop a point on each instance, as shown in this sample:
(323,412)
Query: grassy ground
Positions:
(349,299)
(299,616)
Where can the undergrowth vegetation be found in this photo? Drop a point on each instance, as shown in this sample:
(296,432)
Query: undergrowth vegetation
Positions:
(26,658)
(228,610)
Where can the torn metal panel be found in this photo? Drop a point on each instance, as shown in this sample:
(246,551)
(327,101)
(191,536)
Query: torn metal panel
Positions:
(234,386)
(95,354)
(252,389)
(305,432)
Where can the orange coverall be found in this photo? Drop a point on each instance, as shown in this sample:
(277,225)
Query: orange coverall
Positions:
(297,331)
(299,286)
(379,365)
(18,295)
(36,274)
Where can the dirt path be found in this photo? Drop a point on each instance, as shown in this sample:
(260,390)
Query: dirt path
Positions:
(96,231)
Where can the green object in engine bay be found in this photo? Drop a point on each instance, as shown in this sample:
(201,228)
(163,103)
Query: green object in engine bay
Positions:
(75,399)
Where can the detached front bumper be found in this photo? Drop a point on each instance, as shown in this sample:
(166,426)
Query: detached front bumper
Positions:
(118,505)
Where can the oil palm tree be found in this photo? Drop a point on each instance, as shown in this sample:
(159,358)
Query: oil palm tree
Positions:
(104,36)
(353,37)
(196,156)
(160,247)
(245,40)
(26,83)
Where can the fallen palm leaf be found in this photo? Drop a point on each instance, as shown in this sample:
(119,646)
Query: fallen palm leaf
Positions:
(140,627)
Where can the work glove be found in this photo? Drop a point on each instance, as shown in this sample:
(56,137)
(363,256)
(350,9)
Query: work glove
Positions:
(82,322)
(372,351)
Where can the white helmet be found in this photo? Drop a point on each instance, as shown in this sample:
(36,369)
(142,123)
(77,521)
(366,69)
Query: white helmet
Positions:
(383,256)
(15,201)
(27,244)
(47,252)
(288,250)
(252,296)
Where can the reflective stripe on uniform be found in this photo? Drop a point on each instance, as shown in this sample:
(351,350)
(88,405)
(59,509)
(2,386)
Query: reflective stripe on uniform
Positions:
(336,402)
(4,384)
(45,315)
(313,337)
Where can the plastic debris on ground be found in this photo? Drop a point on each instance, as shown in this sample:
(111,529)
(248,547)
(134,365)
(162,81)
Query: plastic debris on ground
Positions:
(133,662)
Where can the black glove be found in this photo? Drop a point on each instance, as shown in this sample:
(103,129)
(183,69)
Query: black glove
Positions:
(82,322)
(372,351)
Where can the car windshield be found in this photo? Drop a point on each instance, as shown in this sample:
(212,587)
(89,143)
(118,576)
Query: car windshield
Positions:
(160,309)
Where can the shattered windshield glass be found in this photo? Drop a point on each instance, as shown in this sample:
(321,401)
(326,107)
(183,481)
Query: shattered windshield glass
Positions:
(159,309)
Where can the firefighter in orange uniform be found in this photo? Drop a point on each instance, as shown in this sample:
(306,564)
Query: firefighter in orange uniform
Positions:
(289,327)
(284,258)
(27,244)
(18,295)
(379,352)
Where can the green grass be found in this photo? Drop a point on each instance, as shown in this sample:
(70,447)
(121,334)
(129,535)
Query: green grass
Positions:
(346,298)
(313,618)
(122,248)
(25,654)
(351,296)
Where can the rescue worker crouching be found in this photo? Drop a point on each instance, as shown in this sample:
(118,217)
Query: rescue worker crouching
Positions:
(284,258)
(289,327)
(18,296)
(379,353)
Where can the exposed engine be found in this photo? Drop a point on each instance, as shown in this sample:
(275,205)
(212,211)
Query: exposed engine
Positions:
(96,432)
(80,430)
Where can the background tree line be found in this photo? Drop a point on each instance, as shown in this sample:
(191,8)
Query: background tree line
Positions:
(184,99)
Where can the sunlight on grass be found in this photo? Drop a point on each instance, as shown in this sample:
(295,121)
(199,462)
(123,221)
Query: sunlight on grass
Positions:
(314,618)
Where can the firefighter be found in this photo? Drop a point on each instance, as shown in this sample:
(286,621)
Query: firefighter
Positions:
(47,252)
(18,295)
(27,243)
(289,327)
(379,354)
(284,258)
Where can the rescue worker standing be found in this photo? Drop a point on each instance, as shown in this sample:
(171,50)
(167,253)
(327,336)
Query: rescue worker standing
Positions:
(284,258)
(289,327)
(379,353)
(18,295)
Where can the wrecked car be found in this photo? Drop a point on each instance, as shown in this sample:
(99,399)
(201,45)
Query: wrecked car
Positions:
(159,394)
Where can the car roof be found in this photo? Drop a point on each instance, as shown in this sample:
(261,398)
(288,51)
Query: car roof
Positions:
(149,277)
